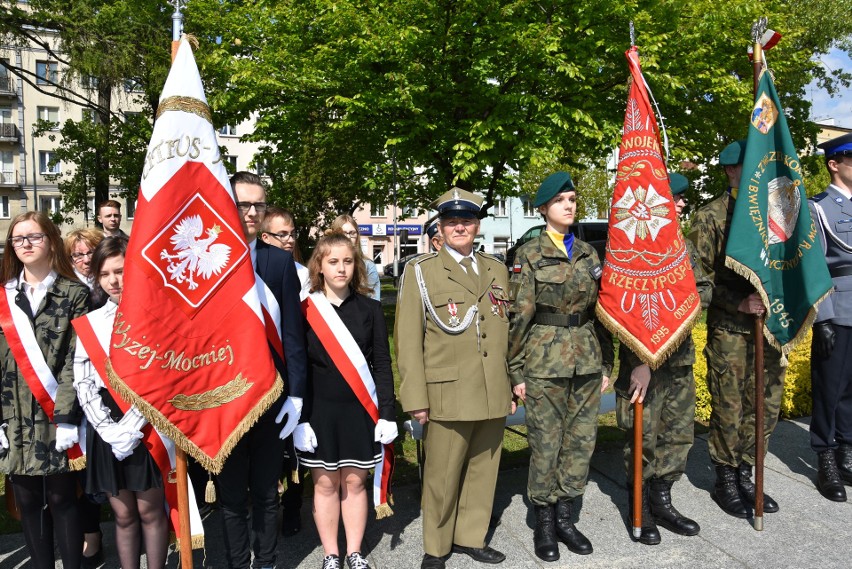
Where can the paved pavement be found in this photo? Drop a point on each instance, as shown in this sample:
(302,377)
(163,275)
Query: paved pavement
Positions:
(809,531)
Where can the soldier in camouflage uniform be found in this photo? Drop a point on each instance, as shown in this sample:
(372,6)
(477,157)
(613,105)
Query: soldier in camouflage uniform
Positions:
(555,364)
(730,353)
(668,394)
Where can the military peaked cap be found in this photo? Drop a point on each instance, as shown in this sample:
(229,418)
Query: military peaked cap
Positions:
(457,203)
(840,145)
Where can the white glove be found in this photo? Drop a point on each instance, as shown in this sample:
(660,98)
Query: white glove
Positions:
(293,409)
(386,432)
(126,443)
(4,442)
(66,436)
(304,438)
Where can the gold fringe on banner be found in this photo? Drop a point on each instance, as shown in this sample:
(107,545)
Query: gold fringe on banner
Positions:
(185,104)
(161,423)
(77,463)
(383,511)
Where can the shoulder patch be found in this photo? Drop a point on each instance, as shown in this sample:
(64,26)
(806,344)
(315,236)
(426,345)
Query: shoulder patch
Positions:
(596,272)
(516,268)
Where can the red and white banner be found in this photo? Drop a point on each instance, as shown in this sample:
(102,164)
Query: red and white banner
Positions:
(31,363)
(189,344)
(648,296)
(352,365)
(162,448)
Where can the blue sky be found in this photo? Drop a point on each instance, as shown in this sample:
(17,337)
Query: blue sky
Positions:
(838,107)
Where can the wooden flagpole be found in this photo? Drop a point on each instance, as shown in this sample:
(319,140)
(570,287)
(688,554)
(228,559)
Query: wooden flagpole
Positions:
(185,531)
(637,469)
(757,31)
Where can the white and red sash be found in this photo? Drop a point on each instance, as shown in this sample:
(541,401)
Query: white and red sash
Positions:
(31,363)
(353,366)
(162,448)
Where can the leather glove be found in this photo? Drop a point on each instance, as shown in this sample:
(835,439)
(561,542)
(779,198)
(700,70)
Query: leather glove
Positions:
(292,408)
(66,436)
(386,432)
(4,442)
(304,438)
(823,339)
(640,377)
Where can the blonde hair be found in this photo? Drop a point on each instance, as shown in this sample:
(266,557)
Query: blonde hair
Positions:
(91,237)
(323,249)
(59,261)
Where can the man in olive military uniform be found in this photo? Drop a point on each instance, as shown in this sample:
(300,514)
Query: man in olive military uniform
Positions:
(433,233)
(668,394)
(730,353)
(831,376)
(451,335)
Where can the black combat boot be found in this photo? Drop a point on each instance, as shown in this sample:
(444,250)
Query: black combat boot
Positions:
(665,513)
(725,491)
(649,535)
(770,506)
(828,479)
(844,463)
(566,532)
(544,535)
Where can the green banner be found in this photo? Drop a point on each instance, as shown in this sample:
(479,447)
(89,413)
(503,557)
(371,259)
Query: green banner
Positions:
(773,241)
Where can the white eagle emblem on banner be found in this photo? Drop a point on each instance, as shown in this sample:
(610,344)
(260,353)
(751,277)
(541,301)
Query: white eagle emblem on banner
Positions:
(194,257)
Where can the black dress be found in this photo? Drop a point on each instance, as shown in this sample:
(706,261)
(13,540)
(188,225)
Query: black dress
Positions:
(343,428)
(105,473)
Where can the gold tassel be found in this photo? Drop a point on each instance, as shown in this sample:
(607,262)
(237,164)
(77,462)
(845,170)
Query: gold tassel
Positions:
(210,491)
(294,476)
(383,511)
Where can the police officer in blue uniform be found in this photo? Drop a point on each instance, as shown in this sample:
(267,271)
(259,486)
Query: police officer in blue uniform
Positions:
(831,350)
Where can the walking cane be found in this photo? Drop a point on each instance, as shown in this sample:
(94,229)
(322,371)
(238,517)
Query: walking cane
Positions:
(637,469)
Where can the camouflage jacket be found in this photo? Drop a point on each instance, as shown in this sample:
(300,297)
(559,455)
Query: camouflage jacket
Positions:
(709,234)
(32,437)
(684,355)
(545,280)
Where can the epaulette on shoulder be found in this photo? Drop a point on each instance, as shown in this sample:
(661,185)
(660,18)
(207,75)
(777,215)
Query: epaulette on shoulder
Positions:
(489,256)
(423,257)
(819,197)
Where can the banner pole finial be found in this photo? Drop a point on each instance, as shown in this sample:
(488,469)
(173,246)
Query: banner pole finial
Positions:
(632,34)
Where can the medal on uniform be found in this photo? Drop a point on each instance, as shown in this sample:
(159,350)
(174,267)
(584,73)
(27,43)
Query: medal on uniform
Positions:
(495,305)
(454,311)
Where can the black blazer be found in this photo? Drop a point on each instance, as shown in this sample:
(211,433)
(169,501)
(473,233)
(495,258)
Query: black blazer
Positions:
(278,270)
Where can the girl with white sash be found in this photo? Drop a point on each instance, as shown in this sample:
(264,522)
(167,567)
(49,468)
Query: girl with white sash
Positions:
(348,423)
(39,413)
(118,464)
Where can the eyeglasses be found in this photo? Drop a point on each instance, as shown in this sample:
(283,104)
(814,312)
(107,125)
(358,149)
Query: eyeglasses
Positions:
(259,207)
(351,233)
(81,256)
(32,238)
(283,235)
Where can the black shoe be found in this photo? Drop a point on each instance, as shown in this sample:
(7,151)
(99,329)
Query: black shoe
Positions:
(726,493)
(544,535)
(844,463)
(649,534)
(567,532)
(331,561)
(747,490)
(432,562)
(828,479)
(665,513)
(482,554)
(93,561)
(291,522)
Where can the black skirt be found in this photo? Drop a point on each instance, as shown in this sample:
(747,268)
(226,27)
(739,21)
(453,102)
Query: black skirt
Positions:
(105,473)
(344,433)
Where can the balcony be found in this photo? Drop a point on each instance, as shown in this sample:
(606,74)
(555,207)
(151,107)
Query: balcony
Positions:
(9,133)
(9,179)
(7,88)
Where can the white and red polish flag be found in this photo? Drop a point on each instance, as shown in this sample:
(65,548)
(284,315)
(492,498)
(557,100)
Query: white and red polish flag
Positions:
(185,344)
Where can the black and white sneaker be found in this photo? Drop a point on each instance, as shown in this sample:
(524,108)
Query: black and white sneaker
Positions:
(331,562)
(356,561)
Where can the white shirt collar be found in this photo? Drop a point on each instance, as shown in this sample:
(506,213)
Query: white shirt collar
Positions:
(36,293)
(843,191)
(253,252)
(458,257)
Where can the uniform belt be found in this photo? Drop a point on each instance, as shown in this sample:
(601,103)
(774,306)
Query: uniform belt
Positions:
(564,320)
(840,271)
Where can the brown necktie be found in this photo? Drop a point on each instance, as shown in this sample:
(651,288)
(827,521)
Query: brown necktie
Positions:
(467,265)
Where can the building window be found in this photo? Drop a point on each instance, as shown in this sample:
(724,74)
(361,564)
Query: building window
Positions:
(228,130)
(529,210)
(230,162)
(50,204)
(133,86)
(89,82)
(260,166)
(47,162)
(377,210)
(7,168)
(49,114)
(47,72)
(500,207)
(501,245)
(4,207)
(90,210)
(131,209)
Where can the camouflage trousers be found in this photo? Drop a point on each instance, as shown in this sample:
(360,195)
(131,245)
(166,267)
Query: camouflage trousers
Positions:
(730,380)
(667,424)
(562,423)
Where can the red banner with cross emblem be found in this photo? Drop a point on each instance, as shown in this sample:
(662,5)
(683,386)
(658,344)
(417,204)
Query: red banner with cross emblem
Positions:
(648,296)
(185,341)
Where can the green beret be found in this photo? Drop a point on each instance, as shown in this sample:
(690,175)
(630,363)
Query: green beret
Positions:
(556,183)
(733,154)
(678,183)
